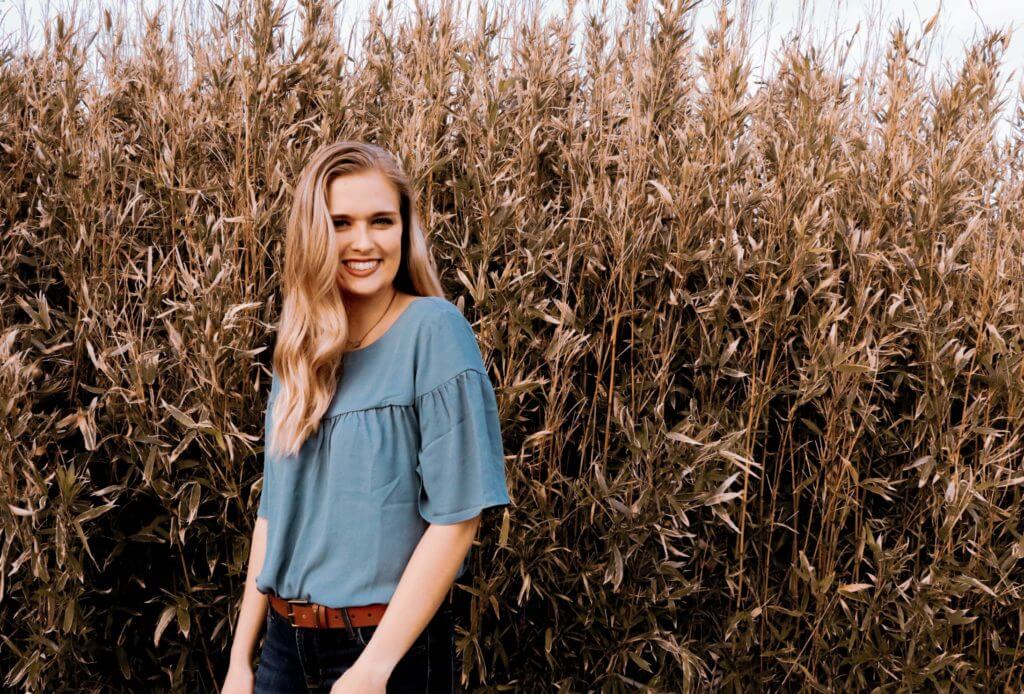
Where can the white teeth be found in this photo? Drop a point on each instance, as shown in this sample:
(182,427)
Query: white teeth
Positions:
(361,266)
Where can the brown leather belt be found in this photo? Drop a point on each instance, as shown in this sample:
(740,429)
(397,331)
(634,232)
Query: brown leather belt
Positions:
(312,615)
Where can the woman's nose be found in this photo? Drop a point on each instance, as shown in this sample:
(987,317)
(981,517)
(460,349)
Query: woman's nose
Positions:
(360,236)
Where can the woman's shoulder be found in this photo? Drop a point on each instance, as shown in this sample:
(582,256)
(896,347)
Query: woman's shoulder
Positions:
(439,320)
(445,344)
(437,305)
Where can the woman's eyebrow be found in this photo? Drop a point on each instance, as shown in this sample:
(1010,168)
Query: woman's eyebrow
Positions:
(341,215)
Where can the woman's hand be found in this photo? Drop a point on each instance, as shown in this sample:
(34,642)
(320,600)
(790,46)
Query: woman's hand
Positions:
(239,679)
(360,679)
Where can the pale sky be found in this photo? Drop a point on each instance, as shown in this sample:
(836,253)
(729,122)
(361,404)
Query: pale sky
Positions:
(958,21)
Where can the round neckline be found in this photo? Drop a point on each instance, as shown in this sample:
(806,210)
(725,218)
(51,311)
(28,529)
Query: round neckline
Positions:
(391,329)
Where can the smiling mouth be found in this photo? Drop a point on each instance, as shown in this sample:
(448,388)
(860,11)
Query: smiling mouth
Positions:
(361,268)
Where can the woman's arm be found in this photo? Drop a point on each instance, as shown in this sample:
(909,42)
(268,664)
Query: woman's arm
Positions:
(253,612)
(422,588)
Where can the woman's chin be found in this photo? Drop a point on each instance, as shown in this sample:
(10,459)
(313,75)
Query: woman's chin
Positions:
(359,291)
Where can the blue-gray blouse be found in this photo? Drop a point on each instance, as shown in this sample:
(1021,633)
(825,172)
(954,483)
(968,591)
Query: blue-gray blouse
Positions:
(411,438)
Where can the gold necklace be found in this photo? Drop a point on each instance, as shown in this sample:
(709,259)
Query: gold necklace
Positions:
(360,340)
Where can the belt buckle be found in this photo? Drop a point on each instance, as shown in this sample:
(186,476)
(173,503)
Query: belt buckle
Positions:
(291,610)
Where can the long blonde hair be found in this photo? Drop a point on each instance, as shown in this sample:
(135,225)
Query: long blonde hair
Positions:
(313,326)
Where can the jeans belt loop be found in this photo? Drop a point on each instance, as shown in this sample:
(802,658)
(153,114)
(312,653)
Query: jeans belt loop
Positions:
(348,623)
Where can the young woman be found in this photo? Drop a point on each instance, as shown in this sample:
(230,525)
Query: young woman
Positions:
(383,447)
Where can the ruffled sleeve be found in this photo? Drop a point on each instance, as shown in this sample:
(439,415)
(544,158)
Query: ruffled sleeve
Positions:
(265,506)
(461,462)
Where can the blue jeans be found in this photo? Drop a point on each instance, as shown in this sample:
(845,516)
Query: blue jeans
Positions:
(299,659)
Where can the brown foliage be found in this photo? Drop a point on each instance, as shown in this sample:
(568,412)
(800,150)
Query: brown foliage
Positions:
(758,350)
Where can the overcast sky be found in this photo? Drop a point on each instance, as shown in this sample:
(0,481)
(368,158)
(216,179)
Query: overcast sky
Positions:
(958,22)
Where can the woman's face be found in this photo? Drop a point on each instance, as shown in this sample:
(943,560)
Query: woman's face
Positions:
(364,207)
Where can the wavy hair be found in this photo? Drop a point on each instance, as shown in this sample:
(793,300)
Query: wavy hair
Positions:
(313,327)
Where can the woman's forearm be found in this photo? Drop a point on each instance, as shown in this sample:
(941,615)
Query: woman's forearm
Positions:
(421,589)
(253,612)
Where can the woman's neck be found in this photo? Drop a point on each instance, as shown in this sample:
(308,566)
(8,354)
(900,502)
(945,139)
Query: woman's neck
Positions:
(363,312)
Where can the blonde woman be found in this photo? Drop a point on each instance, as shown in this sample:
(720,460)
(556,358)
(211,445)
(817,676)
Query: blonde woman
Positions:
(383,447)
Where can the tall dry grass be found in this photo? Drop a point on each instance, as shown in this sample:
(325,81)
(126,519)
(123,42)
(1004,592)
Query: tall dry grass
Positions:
(757,347)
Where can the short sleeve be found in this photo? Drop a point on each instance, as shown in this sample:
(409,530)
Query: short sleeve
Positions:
(461,461)
(264,510)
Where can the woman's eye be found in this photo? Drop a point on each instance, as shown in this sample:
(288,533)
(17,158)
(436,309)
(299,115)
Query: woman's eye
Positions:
(380,220)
